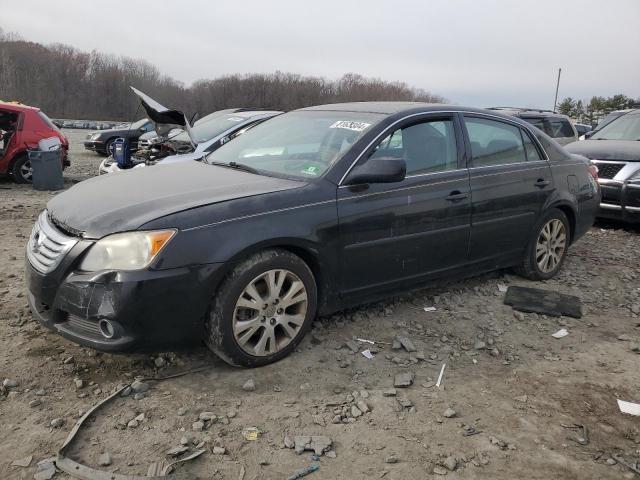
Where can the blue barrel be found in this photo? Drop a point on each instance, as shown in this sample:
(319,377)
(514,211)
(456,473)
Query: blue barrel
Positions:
(121,152)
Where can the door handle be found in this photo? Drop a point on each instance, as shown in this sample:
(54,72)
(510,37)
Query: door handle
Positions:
(456,196)
(542,183)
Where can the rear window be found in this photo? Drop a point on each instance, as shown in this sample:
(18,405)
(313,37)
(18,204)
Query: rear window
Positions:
(47,121)
(559,128)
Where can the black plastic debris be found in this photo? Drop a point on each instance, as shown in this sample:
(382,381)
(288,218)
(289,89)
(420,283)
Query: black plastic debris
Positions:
(543,301)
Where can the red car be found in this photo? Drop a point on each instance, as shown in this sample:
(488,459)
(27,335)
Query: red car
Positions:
(21,128)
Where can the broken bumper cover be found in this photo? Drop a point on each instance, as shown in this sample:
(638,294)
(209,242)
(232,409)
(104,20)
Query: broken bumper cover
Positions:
(122,311)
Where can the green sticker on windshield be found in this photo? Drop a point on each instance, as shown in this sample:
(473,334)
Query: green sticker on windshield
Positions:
(311,170)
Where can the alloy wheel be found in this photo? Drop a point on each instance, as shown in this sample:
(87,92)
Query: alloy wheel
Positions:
(270,312)
(26,171)
(551,245)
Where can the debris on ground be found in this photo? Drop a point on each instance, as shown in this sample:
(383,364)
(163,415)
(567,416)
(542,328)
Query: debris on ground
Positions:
(543,301)
(439,382)
(563,332)
(629,407)
(22,462)
(304,472)
(449,413)
(581,435)
(251,434)
(404,379)
(367,354)
(318,444)
(249,385)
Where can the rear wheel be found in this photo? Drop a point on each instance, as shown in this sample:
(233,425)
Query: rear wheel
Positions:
(548,248)
(21,170)
(262,310)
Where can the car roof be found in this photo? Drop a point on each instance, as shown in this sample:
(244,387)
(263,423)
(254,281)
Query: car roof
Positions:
(17,107)
(387,108)
(528,112)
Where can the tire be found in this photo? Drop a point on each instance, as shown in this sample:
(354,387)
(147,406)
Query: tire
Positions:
(547,249)
(264,332)
(21,171)
(107,148)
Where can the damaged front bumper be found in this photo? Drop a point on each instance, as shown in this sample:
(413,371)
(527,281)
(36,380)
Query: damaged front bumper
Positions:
(121,311)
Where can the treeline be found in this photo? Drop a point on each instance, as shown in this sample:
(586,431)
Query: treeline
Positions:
(68,83)
(593,110)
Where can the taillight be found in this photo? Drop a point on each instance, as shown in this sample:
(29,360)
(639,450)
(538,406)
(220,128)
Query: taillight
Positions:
(593,171)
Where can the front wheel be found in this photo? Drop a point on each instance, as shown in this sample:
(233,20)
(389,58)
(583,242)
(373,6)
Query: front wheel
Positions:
(22,172)
(262,310)
(548,248)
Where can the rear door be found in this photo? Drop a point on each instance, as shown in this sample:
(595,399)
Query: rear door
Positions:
(400,233)
(510,183)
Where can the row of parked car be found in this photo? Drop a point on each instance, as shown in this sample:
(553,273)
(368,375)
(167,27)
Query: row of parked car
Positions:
(84,124)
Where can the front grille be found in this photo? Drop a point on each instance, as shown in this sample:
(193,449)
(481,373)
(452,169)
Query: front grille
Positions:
(47,246)
(608,170)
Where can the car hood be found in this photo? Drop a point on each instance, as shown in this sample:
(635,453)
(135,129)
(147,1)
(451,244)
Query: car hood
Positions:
(164,118)
(625,150)
(115,203)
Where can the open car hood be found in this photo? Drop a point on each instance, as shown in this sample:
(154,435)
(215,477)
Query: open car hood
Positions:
(164,118)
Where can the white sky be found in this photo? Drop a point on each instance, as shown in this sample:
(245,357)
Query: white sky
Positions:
(473,52)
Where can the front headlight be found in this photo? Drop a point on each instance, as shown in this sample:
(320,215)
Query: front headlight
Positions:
(95,136)
(126,251)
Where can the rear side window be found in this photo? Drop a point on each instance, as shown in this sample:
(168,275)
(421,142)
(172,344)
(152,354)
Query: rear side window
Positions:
(559,128)
(494,142)
(532,152)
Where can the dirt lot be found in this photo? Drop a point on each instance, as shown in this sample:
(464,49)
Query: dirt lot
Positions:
(505,375)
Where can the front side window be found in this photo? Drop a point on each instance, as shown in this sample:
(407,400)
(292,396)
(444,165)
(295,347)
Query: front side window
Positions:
(303,144)
(494,143)
(426,147)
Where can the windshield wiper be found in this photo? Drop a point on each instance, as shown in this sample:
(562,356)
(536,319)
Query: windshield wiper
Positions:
(236,165)
(243,166)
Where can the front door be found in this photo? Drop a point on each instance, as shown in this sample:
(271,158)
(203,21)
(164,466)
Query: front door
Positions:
(510,183)
(400,233)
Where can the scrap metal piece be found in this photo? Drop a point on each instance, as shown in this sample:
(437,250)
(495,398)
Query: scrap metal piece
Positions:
(543,301)
(581,436)
(622,461)
(82,472)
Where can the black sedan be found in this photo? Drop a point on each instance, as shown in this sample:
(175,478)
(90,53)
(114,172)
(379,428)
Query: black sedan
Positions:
(311,212)
(100,142)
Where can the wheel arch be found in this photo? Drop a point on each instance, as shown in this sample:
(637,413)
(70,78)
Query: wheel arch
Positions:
(307,251)
(569,210)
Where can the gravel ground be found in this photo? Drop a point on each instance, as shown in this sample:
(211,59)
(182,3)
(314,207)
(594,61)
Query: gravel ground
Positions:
(505,376)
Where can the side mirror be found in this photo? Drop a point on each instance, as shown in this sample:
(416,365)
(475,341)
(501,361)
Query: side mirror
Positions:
(142,129)
(589,134)
(379,170)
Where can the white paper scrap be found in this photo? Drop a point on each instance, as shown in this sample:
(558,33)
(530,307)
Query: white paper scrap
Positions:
(502,288)
(560,333)
(429,309)
(367,353)
(440,376)
(629,407)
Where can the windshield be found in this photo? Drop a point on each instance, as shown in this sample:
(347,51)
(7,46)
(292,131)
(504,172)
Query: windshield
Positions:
(205,129)
(298,144)
(136,125)
(627,127)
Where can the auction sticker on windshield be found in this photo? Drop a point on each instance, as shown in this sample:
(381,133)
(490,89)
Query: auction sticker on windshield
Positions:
(311,170)
(348,125)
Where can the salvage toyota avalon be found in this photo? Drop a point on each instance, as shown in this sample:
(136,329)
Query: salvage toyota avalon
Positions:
(311,212)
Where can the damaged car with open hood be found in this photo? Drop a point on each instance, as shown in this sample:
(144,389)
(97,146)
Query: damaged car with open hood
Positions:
(176,140)
(311,212)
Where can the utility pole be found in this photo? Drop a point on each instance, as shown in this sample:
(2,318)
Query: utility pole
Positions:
(555,102)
